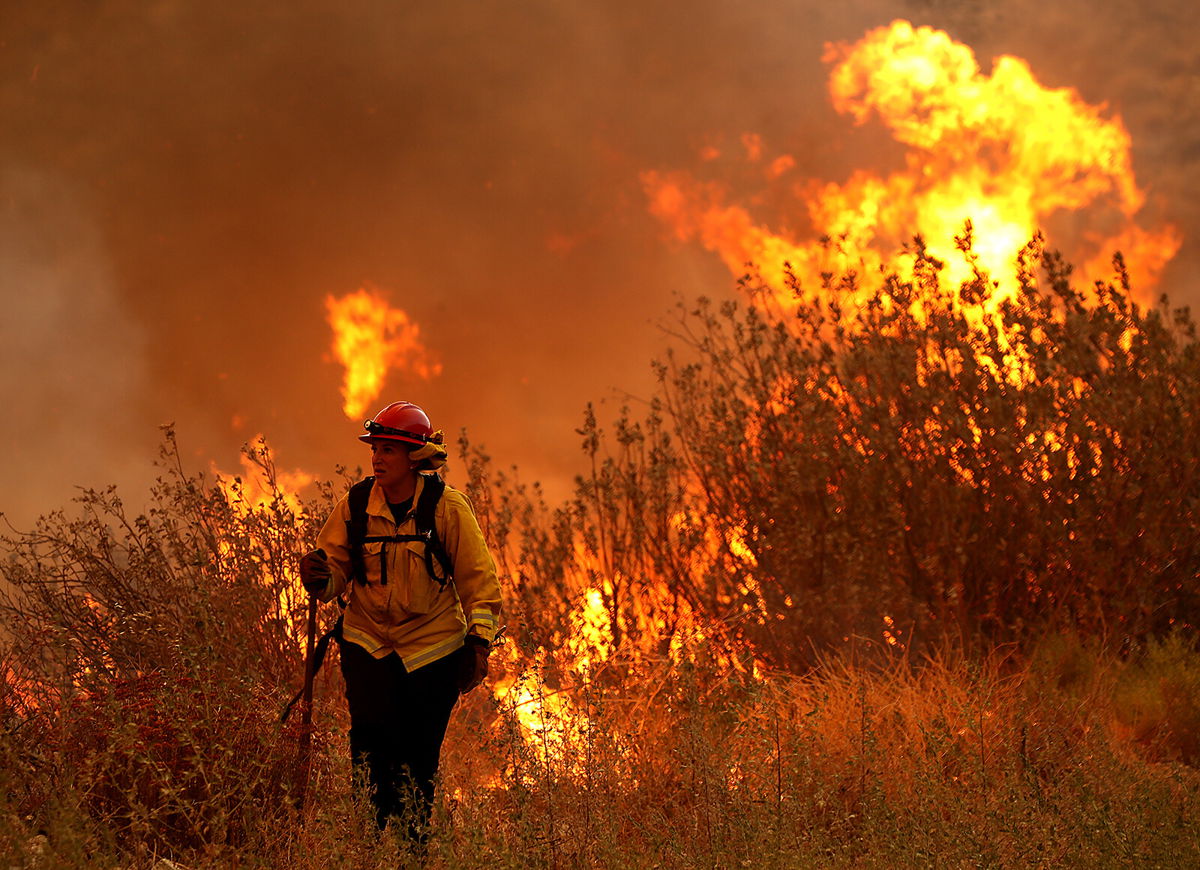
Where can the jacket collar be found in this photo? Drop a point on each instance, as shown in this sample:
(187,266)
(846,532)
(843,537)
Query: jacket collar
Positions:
(377,502)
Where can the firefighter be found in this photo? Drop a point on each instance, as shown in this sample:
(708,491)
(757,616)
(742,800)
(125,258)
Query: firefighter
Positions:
(423,609)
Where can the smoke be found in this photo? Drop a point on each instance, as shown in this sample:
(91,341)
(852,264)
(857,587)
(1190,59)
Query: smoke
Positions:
(479,162)
(71,368)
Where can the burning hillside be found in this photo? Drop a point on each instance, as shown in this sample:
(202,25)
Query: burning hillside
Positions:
(808,486)
(178,206)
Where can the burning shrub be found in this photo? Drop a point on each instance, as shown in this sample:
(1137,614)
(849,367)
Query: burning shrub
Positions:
(929,461)
(147,661)
(928,467)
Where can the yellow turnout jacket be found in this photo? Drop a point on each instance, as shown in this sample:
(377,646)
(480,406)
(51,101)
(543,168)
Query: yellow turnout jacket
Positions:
(410,614)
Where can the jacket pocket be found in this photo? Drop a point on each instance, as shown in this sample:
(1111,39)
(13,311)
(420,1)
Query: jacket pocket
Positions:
(374,597)
(420,586)
(371,563)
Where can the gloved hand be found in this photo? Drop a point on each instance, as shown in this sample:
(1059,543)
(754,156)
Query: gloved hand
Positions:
(314,571)
(472,663)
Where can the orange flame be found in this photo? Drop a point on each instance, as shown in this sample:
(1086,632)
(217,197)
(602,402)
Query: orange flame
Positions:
(548,722)
(369,338)
(1002,151)
(22,694)
(260,489)
(254,488)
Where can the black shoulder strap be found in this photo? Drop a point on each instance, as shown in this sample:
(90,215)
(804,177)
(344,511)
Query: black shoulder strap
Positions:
(356,527)
(431,494)
(437,560)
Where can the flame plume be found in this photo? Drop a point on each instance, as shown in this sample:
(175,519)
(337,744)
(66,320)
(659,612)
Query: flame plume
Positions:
(369,338)
(1002,150)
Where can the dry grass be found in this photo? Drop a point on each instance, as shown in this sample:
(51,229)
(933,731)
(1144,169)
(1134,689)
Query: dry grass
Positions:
(1004,762)
(945,763)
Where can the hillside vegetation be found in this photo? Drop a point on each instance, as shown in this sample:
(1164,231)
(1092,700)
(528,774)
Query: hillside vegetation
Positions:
(883,576)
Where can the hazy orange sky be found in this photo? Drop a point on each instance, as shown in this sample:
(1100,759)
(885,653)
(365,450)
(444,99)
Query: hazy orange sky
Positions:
(183,183)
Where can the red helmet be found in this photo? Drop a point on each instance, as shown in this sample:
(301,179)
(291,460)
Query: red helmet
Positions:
(399,421)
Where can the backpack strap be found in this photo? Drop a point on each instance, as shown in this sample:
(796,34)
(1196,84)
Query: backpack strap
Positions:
(437,560)
(435,553)
(436,556)
(356,527)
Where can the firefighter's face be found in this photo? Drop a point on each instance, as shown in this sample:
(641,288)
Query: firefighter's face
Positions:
(389,461)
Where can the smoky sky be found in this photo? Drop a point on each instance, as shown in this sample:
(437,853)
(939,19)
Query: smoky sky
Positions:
(182,184)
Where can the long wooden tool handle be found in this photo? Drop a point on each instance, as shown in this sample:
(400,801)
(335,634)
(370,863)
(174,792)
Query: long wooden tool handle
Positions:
(306,704)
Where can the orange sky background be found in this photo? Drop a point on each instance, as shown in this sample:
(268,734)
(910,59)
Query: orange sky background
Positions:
(182,189)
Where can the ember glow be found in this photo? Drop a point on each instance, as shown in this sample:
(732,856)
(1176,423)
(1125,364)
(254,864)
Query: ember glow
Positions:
(1000,150)
(370,338)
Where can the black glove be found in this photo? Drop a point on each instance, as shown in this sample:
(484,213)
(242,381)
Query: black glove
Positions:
(314,571)
(472,663)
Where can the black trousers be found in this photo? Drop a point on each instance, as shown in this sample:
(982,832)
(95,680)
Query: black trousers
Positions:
(398,721)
